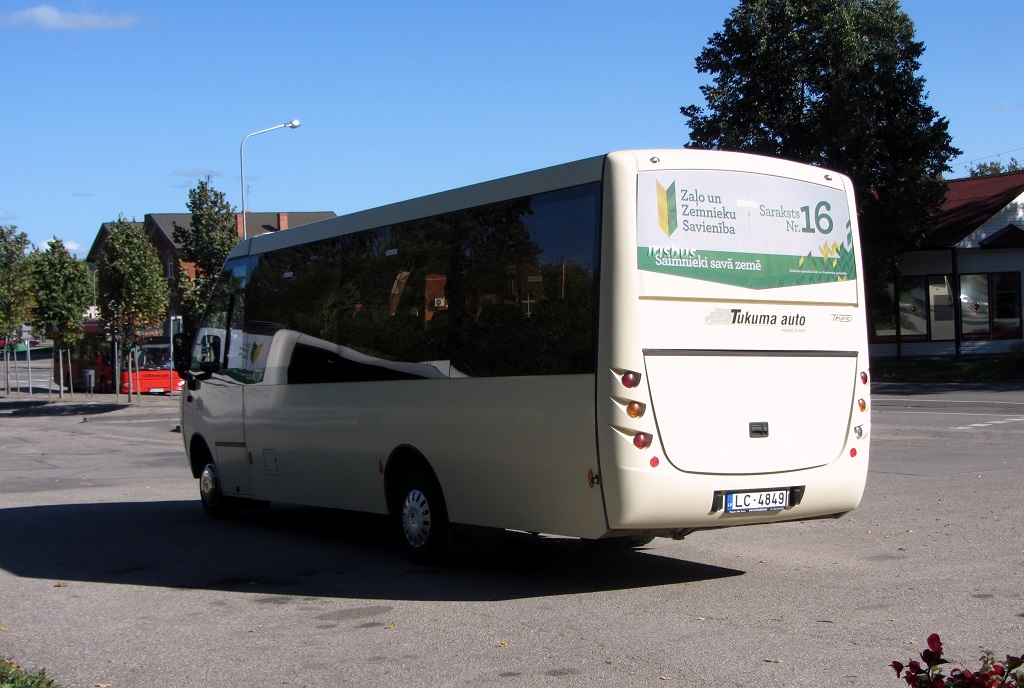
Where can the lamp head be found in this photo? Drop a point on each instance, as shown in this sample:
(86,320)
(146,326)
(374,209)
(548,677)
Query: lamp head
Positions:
(294,124)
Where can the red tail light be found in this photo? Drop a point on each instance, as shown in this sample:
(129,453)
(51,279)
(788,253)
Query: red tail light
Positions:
(642,440)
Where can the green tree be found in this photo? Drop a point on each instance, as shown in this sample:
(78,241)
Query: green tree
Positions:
(63,291)
(133,291)
(15,284)
(987,169)
(832,83)
(205,243)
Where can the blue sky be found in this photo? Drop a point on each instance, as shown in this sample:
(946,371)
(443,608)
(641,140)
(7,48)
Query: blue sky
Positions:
(118,107)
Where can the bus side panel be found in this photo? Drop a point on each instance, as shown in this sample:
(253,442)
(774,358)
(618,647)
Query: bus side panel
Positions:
(539,435)
(323,444)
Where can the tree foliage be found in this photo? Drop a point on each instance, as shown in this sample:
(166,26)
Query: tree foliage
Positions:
(832,83)
(205,243)
(988,169)
(63,291)
(15,289)
(134,293)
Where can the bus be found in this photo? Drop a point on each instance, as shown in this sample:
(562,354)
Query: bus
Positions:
(642,344)
(94,363)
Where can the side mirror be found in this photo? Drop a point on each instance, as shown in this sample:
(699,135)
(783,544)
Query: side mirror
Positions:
(182,355)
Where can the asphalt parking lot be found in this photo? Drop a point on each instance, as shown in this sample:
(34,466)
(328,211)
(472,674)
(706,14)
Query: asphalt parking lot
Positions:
(110,574)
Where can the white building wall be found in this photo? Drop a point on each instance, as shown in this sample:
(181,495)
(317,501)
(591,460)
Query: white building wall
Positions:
(1013,214)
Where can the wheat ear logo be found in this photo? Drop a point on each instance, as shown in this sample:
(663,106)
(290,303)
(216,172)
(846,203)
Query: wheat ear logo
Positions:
(667,219)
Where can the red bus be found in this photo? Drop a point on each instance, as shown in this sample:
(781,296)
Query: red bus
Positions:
(94,368)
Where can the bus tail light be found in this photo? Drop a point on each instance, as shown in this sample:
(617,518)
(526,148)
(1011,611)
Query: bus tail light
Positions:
(630,379)
(642,440)
(862,405)
(864,378)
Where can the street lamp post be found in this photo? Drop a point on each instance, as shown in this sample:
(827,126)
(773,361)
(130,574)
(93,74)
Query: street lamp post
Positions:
(241,158)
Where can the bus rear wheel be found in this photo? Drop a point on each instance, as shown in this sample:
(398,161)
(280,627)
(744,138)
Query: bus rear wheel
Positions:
(215,504)
(421,518)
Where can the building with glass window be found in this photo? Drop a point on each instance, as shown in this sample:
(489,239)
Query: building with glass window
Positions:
(960,293)
(159,229)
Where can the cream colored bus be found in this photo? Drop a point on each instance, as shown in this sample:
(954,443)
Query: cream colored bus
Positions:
(645,343)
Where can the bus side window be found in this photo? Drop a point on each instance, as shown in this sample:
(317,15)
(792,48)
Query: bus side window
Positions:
(310,364)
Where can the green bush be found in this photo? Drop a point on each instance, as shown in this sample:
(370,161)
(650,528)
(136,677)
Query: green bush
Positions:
(12,676)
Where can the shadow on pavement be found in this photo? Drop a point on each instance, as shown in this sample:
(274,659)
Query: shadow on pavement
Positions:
(65,409)
(306,552)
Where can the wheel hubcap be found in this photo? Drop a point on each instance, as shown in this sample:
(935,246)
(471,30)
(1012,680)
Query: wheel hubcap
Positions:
(208,484)
(416,518)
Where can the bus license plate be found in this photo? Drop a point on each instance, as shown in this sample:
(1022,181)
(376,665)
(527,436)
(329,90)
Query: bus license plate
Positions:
(156,390)
(746,502)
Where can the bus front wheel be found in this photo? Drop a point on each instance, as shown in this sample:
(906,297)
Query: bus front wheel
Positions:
(215,504)
(421,518)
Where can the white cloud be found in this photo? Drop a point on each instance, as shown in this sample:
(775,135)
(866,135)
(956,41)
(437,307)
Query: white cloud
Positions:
(1006,107)
(50,18)
(73,247)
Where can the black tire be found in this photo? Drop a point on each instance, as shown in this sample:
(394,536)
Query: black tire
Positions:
(215,504)
(421,518)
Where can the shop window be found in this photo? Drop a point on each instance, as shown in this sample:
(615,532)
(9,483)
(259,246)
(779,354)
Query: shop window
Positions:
(883,315)
(1006,322)
(913,305)
(974,307)
(940,308)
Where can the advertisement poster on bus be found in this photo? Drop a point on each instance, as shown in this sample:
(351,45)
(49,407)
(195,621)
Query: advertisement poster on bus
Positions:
(753,231)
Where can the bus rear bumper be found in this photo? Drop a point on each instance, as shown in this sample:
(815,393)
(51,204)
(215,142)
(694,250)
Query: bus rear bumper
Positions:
(669,502)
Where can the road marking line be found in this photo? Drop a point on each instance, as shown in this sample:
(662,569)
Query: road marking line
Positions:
(990,423)
(933,413)
(950,401)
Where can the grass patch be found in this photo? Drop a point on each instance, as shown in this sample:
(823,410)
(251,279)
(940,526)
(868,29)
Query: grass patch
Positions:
(967,369)
(13,676)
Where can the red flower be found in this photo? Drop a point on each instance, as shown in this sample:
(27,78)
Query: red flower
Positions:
(935,643)
(898,667)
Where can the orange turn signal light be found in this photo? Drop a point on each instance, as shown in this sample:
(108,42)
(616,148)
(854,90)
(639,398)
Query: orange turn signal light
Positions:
(635,409)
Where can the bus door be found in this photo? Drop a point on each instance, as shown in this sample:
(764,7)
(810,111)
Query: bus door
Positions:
(215,406)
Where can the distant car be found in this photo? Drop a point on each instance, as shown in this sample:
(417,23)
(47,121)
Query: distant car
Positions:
(18,342)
